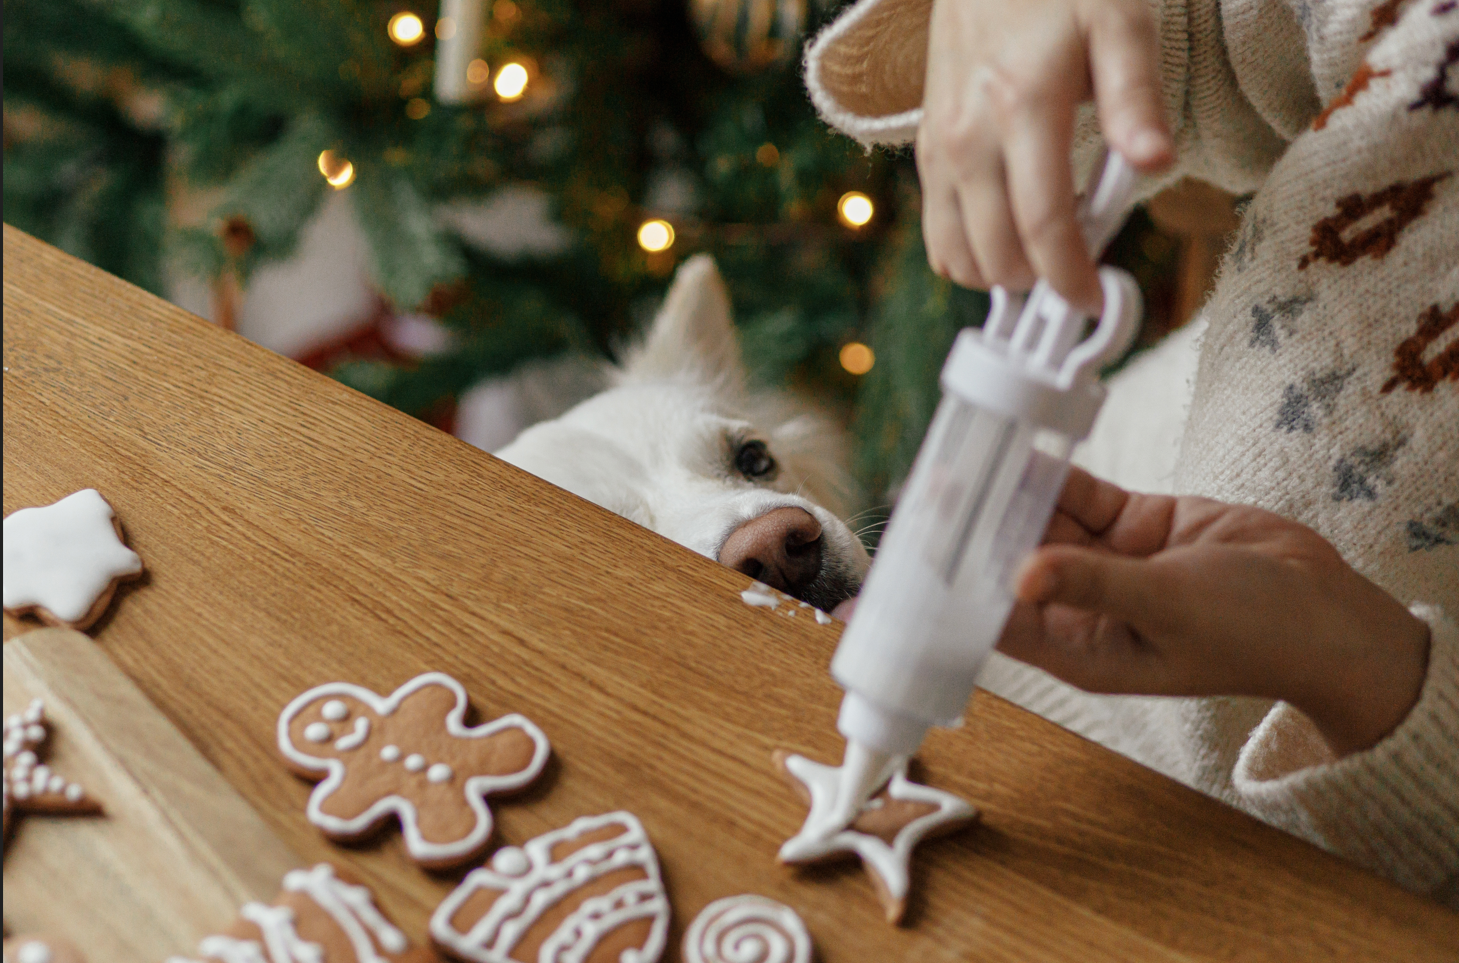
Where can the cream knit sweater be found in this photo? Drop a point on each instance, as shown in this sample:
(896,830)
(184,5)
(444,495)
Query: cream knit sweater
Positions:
(1323,384)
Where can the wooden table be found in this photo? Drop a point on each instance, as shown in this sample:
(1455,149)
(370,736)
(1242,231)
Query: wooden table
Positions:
(297,532)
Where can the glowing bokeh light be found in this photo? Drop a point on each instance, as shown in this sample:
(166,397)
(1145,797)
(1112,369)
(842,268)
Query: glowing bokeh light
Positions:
(656,235)
(406,29)
(511,81)
(857,358)
(855,208)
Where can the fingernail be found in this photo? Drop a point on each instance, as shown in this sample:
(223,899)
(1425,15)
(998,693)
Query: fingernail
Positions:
(1148,144)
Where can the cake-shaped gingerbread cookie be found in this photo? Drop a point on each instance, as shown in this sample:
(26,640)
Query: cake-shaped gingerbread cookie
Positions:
(411,756)
(588,892)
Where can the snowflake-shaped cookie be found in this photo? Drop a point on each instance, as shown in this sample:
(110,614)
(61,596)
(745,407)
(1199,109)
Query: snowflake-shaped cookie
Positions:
(63,561)
(891,823)
(29,784)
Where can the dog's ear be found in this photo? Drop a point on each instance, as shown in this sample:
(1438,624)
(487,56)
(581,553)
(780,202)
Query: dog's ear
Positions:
(693,334)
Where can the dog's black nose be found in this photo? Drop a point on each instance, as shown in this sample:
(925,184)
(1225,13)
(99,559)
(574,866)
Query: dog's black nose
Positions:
(781,548)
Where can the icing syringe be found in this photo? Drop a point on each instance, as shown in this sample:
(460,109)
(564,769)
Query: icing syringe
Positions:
(1017,396)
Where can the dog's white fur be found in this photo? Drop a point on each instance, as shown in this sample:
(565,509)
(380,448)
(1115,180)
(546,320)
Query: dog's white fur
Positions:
(658,446)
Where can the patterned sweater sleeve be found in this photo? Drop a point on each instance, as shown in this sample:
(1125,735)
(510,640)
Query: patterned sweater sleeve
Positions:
(1328,391)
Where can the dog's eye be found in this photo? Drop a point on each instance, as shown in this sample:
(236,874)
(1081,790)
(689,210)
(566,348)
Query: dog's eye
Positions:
(753,460)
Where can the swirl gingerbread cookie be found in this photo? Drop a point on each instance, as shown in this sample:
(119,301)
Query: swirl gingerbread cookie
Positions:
(409,755)
(589,892)
(321,916)
(747,929)
(63,561)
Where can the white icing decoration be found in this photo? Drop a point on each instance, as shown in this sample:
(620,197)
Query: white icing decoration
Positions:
(276,925)
(356,738)
(747,929)
(822,618)
(475,787)
(74,792)
(415,762)
(353,910)
(35,733)
(822,836)
(510,861)
(318,732)
(25,776)
(62,557)
(760,600)
(539,883)
(33,952)
(334,710)
(389,753)
(440,772)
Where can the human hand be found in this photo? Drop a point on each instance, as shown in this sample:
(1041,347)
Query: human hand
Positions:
(1160,595)
(1003,80)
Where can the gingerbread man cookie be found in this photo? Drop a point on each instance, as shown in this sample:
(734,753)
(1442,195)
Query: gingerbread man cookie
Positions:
(747,929)
(409,755)
(321,916)
(63,561)
(30,785)
(589,892)
(891,823)
(40,949)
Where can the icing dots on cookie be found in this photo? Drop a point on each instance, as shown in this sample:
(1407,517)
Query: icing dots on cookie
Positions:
(63,561)
(29,784)
(589,892)
(408,756)
(747,929)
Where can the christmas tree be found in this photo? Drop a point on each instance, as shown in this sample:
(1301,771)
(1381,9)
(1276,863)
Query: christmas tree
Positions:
(655,129)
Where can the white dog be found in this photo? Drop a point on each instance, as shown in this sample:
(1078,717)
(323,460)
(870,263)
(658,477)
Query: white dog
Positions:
(680,445)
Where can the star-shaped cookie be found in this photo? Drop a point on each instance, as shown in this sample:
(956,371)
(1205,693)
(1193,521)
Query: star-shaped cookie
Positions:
(63,561)
(30,785)
(891,823)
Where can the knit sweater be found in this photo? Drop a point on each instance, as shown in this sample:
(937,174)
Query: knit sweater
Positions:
(1323,386)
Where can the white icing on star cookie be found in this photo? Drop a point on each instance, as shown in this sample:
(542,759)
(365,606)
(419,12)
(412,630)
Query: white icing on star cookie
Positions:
(903,810)
(565,892)
(63,561)
(747,929)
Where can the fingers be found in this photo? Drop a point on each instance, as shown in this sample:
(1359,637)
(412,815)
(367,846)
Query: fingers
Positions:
(1124,61)
(948,253)
(1092,502)
(1037,120)
(1135,591)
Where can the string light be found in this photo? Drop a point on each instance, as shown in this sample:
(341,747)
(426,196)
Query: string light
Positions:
(477,71)
(656,235)
(511,81)
(339,172)
(857,358)
(417,108)
(445,28)
(406,29)
(856,209)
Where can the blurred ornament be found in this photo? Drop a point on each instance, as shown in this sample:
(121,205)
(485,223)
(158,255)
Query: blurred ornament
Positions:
(855,209)
(336,169)
(406,29)
(745,36)
(857,358)
(511,82)
(459,30)
(656,235)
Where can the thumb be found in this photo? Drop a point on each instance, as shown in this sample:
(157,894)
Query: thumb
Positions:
(1132,590)
(1124,53)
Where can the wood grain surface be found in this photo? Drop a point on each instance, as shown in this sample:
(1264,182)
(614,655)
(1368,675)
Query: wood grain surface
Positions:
(169,817)
(296,532)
